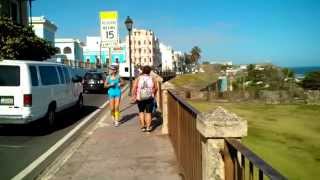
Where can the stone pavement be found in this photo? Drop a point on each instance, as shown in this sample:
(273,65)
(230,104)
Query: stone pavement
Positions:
(122,153)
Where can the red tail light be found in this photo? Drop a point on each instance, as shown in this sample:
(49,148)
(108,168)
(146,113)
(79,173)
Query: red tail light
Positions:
(27,100)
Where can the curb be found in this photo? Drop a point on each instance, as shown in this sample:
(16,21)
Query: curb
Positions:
(42,162)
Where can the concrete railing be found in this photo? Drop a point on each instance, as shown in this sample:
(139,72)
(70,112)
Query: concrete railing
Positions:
(207,145)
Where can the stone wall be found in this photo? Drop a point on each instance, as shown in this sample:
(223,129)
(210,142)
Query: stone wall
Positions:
(313,97)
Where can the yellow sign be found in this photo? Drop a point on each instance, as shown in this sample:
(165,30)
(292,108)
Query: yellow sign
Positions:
(109,28)
(111,15)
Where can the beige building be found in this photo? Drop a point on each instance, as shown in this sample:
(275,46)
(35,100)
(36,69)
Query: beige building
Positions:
(145,48)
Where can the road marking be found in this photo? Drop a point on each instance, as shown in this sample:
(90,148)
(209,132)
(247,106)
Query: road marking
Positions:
(11,146)
(50,151)
(28,170)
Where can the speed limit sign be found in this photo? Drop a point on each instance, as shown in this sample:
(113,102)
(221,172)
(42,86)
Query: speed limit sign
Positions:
(109,28)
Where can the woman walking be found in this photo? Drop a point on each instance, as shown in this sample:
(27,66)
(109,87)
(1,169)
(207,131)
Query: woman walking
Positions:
(113,84)
(144,90)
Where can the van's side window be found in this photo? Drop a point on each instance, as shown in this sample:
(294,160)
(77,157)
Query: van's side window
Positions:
(34,76)
(49,75)
(62,79)
(67,75)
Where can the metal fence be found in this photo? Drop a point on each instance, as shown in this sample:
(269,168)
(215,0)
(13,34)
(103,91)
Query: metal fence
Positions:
(185,137)
(240,162)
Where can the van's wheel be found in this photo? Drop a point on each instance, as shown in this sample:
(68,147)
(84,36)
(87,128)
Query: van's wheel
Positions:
(50,118)
(80,103)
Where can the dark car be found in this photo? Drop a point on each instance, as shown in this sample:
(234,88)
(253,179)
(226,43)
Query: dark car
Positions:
(94,81)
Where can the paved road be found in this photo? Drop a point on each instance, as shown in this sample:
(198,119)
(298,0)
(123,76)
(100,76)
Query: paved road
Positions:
(20,145)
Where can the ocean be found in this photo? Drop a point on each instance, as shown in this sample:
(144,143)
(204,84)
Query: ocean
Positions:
(302,71)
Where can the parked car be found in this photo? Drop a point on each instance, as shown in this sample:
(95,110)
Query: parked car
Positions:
(94,81)
(32,90)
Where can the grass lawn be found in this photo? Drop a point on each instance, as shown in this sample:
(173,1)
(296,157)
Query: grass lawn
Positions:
(286,136)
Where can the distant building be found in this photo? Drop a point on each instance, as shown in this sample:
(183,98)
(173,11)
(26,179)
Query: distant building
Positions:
(243,67)
(222,62)
(92,51)
(44,28)
(177,63)
(145,48)
(70,47)
(167,57)
(15,9)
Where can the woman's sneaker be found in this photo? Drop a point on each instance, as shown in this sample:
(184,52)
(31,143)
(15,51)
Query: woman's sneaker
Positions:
(116,123)
(143,129)
(149,129)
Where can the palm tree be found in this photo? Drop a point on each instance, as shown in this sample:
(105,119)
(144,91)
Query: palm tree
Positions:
(195,54)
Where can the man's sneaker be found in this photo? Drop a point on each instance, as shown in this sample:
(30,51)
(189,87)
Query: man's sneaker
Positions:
(116,124)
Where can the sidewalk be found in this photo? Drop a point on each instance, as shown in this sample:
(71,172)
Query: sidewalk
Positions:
(122,153)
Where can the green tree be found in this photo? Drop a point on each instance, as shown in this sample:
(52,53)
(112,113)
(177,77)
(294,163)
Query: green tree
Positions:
(20,42)
(289,73)
(206,62)
(312,81)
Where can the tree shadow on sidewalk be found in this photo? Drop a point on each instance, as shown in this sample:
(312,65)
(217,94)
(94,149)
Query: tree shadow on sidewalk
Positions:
(127,107)
(156,120)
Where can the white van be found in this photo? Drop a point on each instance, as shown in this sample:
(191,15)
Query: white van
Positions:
(32,90)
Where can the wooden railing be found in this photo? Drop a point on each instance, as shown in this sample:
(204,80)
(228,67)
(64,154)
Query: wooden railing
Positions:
(192,147)
(241,163)
(185,137)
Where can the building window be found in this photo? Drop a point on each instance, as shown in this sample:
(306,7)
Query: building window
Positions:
(67,50)
(150,60)
(145,51)
(145,42)
(149,42)
(58,50)
(145,60)
(140,50)
(150,51)
(139,43)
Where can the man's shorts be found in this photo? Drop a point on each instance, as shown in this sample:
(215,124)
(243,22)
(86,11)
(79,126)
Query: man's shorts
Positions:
(146,105)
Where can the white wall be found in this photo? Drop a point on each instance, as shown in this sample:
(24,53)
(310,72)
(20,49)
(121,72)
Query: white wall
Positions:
(167,57)
(62,45)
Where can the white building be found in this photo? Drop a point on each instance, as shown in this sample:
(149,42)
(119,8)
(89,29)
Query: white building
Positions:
(144,48)
(70,47)
(92,51)
(167,57)
(44,28)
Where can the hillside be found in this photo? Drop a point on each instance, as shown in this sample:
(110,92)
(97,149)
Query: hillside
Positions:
(199,80)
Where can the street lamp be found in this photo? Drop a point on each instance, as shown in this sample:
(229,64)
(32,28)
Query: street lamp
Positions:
(30,10)
(129,24)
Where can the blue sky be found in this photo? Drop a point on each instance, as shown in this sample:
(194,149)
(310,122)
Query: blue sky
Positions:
(284,32)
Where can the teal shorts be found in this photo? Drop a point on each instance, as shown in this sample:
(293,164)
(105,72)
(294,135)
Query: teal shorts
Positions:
(114,93)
